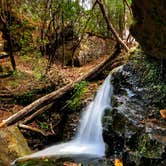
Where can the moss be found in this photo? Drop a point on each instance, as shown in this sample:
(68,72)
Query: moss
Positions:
(146,67)
(149,148)
(149,72)
(79,90)
(44,162)
(12,145)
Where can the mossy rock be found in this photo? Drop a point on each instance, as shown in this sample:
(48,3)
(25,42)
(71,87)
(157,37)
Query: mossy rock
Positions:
(150,74)
(12,145)
(135,129)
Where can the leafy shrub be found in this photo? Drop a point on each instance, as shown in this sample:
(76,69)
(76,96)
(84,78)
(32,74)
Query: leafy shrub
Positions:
(79,90)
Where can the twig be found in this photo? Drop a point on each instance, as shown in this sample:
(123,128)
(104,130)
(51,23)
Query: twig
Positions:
(51,127)
(32,129)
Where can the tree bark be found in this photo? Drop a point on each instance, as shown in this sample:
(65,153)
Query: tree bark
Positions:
(110,26)
(82,35)
(125,1)
(43,28)
(37,113)
(51,97)
(5,19)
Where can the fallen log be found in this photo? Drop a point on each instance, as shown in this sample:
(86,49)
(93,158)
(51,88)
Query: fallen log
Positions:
(51,97)
(37,113)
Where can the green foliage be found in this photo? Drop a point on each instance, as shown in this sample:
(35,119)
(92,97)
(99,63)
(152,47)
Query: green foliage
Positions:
(97,24)
(149,148)
(38,75)
(15,73)
(26,42)
(25,98)
(71,9)
(36,162)
(33,9)
(115,13)
(79,90)
(43,125)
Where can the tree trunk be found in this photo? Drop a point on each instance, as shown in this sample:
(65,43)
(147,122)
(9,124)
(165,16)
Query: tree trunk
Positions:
(11,52)
(43,29)
(124,36)
(82,35)
(110,26)
(5,19)
(63,38)
(125,1)
(51,97)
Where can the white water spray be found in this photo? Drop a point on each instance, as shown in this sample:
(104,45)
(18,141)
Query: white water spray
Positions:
(88,140)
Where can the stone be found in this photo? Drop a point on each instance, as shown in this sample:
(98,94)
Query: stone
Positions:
(149,27)
(134,130)
(91,48)
(12,145)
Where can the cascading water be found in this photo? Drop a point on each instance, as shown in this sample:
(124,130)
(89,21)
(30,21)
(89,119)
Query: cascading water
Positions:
(88,141)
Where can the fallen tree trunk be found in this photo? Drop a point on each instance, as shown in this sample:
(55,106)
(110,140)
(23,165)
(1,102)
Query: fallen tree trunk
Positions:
(37,113)
(51,97)
(110,26)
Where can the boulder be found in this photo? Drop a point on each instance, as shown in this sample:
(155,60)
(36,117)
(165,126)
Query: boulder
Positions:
(149,27)
(12,145)
(91,48)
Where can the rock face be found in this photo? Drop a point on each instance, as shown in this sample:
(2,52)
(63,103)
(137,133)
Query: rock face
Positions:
(12,145)
(134,129)
(91,48)
(149,28)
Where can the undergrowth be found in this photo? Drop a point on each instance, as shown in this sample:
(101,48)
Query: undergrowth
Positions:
(74,103)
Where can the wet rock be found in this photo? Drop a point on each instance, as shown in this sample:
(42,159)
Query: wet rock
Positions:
(12,145)
(64,161)
(134,128)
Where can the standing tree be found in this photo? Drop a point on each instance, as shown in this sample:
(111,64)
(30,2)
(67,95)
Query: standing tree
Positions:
(5,21)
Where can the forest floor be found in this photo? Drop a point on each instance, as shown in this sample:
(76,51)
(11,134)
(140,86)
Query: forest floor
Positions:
(29,82)
(30,78)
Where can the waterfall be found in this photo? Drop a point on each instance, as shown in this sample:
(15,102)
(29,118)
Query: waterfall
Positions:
(90,130)
(88,140)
